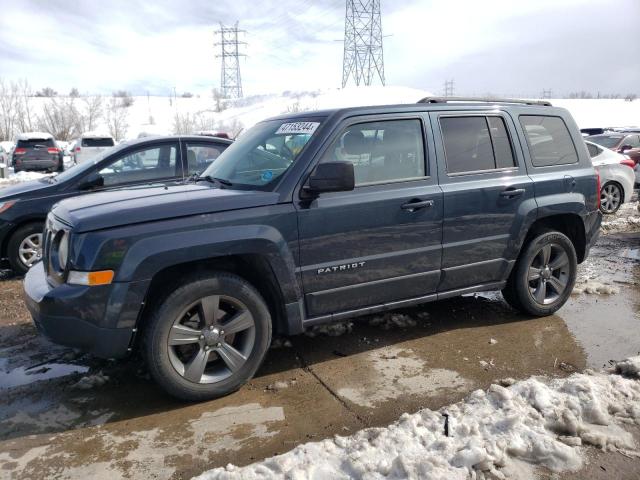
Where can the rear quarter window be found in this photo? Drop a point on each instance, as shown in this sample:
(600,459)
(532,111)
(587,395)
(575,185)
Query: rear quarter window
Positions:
(97,142)
(549,140)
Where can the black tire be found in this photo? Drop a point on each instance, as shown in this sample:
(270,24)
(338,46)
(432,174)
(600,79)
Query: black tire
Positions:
(163,358)
(612,206)
(524,289)
(16,239)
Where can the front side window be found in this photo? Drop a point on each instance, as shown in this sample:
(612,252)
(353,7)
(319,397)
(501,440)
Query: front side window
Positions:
(549,140)
(145,165)
(476,144)
(263,154)
(381,151)
(201,155)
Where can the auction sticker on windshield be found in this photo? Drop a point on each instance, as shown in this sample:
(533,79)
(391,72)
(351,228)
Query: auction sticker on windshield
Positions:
(297,128)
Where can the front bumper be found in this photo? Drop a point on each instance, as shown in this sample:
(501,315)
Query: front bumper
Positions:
(99,320)
(5,228)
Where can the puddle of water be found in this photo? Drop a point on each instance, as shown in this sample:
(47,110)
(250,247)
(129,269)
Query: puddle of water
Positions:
(10,378)
(399,372)
(605,326)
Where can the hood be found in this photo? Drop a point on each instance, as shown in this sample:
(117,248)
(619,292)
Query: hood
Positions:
(146,204)
(13,191)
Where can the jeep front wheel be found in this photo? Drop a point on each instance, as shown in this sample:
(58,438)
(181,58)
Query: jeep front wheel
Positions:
(208,337)
(544,276)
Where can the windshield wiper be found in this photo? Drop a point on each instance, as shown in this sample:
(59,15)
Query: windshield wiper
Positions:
(210,179)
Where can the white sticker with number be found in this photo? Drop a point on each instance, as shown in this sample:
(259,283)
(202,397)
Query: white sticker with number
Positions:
(297,128)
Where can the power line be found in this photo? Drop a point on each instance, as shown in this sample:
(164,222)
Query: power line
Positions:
(230,80)
(363,56)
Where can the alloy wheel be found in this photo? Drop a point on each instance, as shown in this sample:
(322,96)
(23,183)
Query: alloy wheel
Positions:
(30,250)
(610,198)
(211,339)
(548,274)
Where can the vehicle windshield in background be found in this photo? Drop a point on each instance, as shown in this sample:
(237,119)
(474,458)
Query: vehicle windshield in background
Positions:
(35,142)
(262,154)
(98,142)
(607,141)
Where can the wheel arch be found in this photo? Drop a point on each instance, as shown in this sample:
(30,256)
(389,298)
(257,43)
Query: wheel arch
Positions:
(21,223)
(570,224)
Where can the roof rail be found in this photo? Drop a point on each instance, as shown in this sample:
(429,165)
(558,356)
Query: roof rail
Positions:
(543,103)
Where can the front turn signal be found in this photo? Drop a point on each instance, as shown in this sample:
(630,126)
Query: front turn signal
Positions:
(101,277)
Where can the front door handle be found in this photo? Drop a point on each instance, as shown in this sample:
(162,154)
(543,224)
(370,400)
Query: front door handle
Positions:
(416,204)
(512,192)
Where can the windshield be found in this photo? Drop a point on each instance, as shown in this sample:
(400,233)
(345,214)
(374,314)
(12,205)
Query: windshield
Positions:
(608,141)
(262,155)
(80,168)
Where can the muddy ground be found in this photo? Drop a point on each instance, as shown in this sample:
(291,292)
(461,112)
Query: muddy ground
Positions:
(66,415)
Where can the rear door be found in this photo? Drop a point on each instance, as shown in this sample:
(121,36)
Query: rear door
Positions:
(380,242)
(484,183)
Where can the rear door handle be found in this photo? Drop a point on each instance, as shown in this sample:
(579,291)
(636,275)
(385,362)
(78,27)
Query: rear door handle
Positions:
(512,192)
(414,205)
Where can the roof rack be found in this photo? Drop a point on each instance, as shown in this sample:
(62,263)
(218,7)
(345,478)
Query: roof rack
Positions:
(543,103)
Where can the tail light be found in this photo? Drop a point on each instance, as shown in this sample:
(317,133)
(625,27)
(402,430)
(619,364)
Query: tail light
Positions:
(628,162)
(77,149)
(53,150)
(20,151)
(598,189)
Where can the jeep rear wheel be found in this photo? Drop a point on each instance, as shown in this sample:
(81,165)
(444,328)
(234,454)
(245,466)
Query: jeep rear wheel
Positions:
(544,276)
(208,337)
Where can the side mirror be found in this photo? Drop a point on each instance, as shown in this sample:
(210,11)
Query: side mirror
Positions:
(331,177)
(93,180)
(624,148)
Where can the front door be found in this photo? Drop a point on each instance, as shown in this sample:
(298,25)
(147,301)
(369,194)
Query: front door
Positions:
(380,242)
(484,181)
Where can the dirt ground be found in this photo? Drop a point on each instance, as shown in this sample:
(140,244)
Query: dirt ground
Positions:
(66,415)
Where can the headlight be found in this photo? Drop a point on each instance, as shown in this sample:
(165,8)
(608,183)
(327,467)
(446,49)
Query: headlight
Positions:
(63,250)
(4,206)
(60,251)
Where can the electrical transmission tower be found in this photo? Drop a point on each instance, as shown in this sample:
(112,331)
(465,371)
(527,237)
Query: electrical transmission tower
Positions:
(363,57)
(546,94)
(448,88)
(230,81)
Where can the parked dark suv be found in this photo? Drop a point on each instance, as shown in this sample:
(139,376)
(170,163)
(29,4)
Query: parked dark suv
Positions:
(37,151)
(316,217)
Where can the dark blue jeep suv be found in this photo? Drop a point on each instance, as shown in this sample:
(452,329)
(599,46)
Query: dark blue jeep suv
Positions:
(316,217)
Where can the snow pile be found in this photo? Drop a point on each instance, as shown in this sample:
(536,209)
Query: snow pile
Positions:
(21,177)
(392,320)
(91,381)
(501,432)
(330,329)
(627,219)
(595,288)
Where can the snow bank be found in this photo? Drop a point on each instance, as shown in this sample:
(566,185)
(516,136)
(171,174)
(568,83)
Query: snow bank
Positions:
(21,177)
(503,432)
(593,287)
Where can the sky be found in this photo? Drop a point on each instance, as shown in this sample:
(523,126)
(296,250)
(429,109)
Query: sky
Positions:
(516,47)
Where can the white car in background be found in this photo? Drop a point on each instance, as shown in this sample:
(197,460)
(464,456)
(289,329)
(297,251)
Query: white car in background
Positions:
(91,144)
(617,177)
(5,152)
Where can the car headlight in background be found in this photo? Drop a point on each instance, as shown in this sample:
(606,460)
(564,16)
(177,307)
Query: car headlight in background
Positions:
(63,250)
(4,206)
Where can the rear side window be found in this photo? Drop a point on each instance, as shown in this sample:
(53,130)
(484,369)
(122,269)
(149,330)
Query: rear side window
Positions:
(593,150)
(549,140)
(476,143)
(34,142)
(97,142)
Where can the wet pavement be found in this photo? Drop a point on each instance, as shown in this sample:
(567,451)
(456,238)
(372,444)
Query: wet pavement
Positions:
(66,415)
